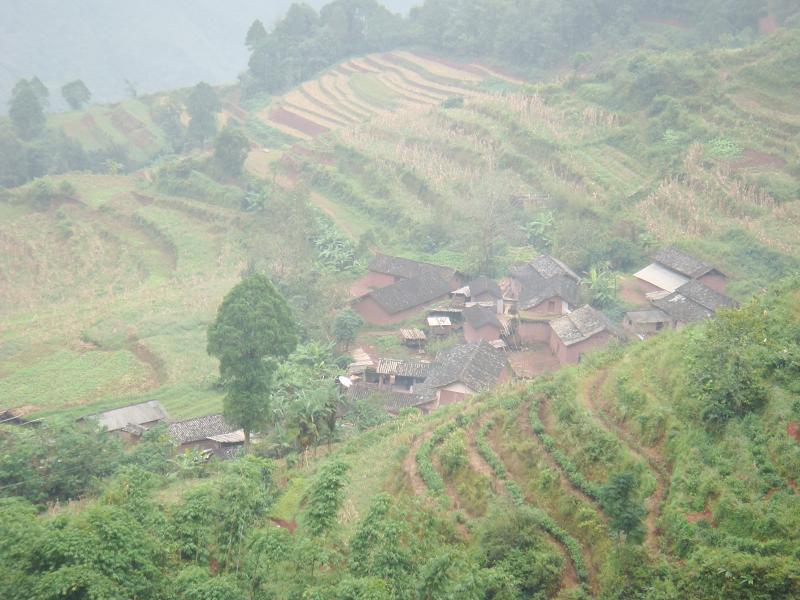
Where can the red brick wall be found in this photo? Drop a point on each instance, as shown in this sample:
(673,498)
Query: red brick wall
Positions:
(572,354)
(447,397)
(716,281)
(543,308)
(487,332)
(374,314)
(533,331)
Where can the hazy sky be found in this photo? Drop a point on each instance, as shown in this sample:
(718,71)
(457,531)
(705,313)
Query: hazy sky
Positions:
(156,44)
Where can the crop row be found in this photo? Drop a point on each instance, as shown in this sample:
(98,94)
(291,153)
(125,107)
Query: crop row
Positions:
(544,520)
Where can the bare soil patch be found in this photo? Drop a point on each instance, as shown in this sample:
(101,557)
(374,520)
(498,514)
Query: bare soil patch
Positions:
(632,291)
(533,362)
(296,122)
(751,159)
(793,429)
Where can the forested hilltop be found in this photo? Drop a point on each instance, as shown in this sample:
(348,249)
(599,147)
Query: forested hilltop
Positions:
(184,347)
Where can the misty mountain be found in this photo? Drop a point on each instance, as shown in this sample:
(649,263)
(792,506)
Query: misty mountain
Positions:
(154,45)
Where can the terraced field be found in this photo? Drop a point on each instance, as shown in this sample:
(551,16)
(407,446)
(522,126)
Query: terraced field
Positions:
(106,297)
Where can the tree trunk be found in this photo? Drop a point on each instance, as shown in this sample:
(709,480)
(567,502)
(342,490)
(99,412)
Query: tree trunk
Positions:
(246,440)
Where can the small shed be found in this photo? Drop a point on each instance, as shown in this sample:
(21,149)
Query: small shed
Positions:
(413,338)
(440,326)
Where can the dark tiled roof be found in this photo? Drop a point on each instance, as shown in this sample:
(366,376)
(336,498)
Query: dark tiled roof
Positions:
(477,365)
(653,315)
(548,267)
(403,368)
(543,278)
(705,296)
(693,302)
(484,285)
(581,324)
(682,263)
(407,268)
(136,414)
(200,428)
(479,316)
(410,293)
(390,400)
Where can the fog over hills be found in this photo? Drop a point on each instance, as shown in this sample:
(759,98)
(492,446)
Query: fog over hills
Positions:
(154,45)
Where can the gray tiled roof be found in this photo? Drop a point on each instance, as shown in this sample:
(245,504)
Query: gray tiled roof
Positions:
(477,365)
(479,316)
(682,263)
(407,268)
(136,414)
(581,324)
(389,400)
(484,285)
(693,302)
(654,315)
(410,293)
(403,368)
(543,278)
(200,428)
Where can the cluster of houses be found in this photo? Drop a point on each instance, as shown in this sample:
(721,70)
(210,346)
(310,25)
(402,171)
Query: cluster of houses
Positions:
(537,305)
(210,434)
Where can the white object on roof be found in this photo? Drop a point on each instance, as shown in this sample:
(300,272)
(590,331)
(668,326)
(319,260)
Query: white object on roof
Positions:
(345,381)
(499,344)
(661,277)
(439,322)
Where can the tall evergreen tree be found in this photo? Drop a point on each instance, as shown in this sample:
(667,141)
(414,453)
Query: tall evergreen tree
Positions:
(25,110)
(254,329)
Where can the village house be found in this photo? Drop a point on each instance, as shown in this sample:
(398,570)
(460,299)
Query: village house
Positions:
(671,268)
(578,332)
(386,270)
(647,322)
(209,434)
(402,300)
(130,422)
(537,292)
(690,303)
(481,290)
(465,370)
(391,401)
(413,338)
(481,323)
(401,375)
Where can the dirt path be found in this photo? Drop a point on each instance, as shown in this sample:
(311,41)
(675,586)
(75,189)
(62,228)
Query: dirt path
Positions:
(410,465)
(593,401)
(476,461)
(569,579)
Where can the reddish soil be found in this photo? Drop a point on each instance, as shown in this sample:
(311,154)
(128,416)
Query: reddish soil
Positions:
(767,25)
(289,526)
(132,127)
(753,159)
(528,364)
(705,515)
(284,117)
(793,429)
(410,465)
(360,288)
(632,291)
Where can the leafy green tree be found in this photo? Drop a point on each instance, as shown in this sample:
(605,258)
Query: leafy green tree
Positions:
(25,110)
(230,151)
(41,91)
(253,330)
(602,286)
(202,104)
(346,326)
(620,502)
(76,94)
(255,35)
(326,497)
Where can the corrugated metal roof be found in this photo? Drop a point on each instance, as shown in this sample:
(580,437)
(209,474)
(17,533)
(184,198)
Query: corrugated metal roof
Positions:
(234,437)
(403,368)
(439,321)
(413,335)
(136,414)
(662,277)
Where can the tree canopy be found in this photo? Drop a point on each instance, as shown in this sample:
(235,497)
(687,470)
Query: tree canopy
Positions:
(76,94)
(253,330)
